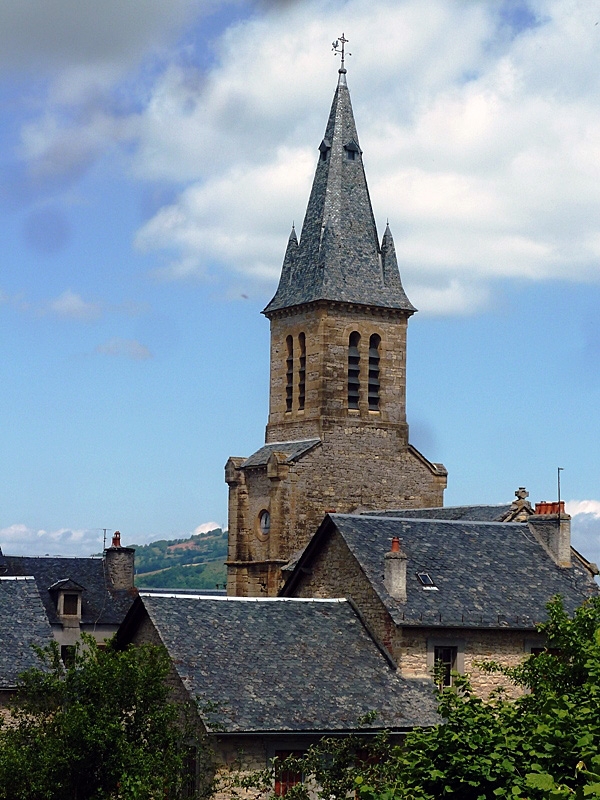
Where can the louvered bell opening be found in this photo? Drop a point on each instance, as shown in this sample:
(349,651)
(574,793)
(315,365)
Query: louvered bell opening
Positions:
(353,381)
(373,384)
(374,353)
(353,352)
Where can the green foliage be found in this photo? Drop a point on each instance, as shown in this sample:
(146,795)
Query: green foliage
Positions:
(546,744)
(157,563)
(193,576)
(100,730)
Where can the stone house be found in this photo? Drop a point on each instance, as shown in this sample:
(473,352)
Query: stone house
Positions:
(454,586)
(79,594)
(271,676)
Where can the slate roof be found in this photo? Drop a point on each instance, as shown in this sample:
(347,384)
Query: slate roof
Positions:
(23,622)
(487,574)
(294,451)
(481,513)
(339,257)
(273,665)
(98,605)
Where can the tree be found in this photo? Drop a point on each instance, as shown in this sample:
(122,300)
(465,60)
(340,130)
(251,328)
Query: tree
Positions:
(100,729)
(546,744)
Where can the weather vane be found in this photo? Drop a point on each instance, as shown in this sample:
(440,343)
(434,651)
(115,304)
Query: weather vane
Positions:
(338,49)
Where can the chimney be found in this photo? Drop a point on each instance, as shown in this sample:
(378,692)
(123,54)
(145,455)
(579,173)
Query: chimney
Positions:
(551,526)
(395,571)
(120,563)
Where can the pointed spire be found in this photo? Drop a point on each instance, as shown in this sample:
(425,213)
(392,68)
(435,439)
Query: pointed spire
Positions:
(339,257)
(389,265)
(287,271)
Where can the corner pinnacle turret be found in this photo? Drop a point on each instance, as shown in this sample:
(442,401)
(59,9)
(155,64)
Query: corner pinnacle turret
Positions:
(338,257)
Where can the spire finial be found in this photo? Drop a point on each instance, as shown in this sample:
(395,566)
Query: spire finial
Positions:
(338,48)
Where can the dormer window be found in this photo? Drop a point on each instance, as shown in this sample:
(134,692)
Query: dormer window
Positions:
(352,149)
(67,596)
(324,149)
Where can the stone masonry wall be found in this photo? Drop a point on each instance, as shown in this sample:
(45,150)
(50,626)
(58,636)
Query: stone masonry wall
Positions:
(355,467)
(327,329)
(336,573)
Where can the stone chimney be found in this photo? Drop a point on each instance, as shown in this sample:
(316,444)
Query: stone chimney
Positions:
(551,526)
(120,564)
(395,571)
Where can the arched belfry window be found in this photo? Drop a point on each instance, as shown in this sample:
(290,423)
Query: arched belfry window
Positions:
(302,371)
(374,356)
(353,370)
(289,373)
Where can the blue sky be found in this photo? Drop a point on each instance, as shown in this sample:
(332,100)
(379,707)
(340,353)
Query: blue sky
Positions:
(150,170)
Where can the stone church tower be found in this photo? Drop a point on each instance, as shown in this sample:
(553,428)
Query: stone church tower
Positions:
(337,437)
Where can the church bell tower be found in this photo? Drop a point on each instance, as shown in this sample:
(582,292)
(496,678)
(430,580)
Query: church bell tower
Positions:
(337,436)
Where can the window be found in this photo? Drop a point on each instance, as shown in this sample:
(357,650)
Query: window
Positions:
(289,373)
(427,581)
(264,522)
(445,663)
(67,654)
(190,772)
(374,344)
(70,605)
(353,370)
(351,155)
(286,778)
(445,655)
(302,372)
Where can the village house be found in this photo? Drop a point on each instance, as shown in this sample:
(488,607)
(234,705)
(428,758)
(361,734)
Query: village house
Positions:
(271,676)
(78,594)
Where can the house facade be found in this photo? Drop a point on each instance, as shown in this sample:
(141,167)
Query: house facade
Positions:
(270,676)
(79,594)
(453,592)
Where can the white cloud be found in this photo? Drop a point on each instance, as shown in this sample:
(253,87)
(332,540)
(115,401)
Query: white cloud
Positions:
(206,527)
(585,527)
(124,348)
(577,507)
(72,33)
(72,306)
(18,539)
(482,144)
(486,162)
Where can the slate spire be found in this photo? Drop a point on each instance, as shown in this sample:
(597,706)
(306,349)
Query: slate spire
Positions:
(339,257)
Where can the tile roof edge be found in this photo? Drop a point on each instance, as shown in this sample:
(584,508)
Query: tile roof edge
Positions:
(429,520)
(232,599)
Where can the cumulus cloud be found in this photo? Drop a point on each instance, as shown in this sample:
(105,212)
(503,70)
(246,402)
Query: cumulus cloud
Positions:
(480,140)
(480,125)
(72,306)
(206,527)
(19,539)
(73,33)
(124,348)
(585,527)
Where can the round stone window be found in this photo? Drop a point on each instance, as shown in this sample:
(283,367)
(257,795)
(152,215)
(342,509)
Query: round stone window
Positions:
(264,523)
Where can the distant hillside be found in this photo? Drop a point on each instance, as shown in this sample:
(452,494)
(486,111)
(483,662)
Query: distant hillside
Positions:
(194,563)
